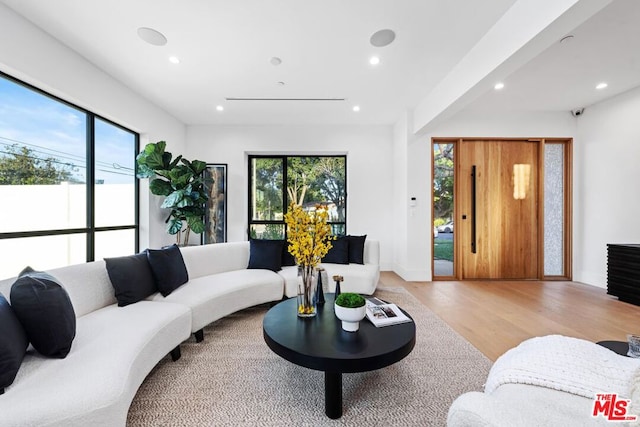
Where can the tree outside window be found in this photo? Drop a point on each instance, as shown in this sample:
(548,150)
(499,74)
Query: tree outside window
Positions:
(307,181)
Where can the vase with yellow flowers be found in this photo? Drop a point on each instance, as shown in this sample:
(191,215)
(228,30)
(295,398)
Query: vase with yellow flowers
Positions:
(309,237)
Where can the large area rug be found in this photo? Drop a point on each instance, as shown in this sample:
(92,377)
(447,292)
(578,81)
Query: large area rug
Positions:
(234,379)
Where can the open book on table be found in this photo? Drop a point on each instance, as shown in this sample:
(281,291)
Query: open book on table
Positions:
(381,313)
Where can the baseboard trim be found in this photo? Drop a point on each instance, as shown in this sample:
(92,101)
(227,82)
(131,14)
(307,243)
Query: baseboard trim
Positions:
(412,275)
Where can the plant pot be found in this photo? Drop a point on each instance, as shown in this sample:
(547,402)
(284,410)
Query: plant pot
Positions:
(350,317)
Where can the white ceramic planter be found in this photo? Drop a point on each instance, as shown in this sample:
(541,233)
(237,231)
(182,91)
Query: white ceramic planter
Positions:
(350,317)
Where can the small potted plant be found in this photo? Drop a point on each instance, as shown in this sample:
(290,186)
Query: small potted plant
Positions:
(350,308)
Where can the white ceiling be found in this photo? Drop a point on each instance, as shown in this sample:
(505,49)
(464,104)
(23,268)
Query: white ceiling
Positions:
(605,48)
(225,49)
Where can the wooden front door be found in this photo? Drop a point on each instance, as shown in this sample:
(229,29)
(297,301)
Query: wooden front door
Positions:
(496,223)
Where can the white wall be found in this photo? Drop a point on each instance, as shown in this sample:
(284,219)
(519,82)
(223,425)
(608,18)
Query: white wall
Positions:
(401,132)
(412,169)
(31,55)
(606,179)
(465,124)
(369,169)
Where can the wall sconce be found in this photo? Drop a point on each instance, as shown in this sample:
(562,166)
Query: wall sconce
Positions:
(521,174)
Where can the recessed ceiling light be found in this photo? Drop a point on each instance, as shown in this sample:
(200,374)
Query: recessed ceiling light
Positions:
(499,86)
(374,60)
(219,108)
(356,108)
(152,36)
(601,85)
(275,61)
(280,83)
(174,60)
(382,38)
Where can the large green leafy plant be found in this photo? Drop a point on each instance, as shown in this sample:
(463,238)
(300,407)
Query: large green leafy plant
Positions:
(182,184)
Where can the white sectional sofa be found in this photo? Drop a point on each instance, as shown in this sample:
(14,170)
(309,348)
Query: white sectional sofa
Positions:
(358,278)
(116,347)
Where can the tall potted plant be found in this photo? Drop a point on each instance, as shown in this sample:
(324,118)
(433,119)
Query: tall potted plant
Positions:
(182,184)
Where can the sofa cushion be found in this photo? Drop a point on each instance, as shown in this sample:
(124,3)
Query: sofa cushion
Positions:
(114,350)
(13,344)
(168,268)
(265,254)
(204,260)
(131,278)
(218,295)
(88,286)
(358,278)
(339,252)
(356,249)
(45,311)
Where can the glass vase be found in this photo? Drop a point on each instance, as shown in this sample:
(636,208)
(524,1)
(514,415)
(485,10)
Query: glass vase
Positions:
(306,281)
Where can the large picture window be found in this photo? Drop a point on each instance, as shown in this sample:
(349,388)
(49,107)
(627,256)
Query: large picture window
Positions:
(67,181)
(276,181)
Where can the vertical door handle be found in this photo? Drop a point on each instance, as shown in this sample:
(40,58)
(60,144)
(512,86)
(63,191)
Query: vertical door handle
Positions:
(473,209)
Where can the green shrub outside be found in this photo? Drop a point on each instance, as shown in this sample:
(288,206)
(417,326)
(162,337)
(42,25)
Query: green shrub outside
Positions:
(439,221)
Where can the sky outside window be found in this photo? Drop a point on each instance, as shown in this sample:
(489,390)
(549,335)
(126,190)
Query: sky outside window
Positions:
(52,129)
(43,170)
(47,128)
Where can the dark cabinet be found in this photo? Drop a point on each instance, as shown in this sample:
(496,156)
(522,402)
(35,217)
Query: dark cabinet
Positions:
(623,272)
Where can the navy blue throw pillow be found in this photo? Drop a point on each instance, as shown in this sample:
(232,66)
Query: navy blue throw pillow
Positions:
(265,254)
(13,344)
(168,268)
(131,278)
(356,249)
(45,311)
(287,259)
(339,252)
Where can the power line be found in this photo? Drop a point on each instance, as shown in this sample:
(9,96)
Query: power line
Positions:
(44,160)
(115,166)
(72,165)
(116,173)
(69,156)
(39,146)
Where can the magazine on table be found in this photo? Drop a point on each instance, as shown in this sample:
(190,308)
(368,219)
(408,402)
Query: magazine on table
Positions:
(381,313)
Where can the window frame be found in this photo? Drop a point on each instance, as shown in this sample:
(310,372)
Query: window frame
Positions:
(285,196)
(90,229)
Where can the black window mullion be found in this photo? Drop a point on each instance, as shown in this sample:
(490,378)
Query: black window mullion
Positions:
(285,179)
(285,193)
(136,192)
(250,184)
(90,185)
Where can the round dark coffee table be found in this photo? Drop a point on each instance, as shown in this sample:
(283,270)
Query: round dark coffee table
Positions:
(320,343)
(620,347)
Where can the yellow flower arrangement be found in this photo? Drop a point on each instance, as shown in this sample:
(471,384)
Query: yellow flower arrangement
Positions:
(309,237)
(308,234)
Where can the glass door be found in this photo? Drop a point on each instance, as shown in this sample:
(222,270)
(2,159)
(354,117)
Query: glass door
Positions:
(443,210)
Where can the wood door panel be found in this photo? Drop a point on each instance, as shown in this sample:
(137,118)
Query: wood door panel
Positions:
(506,226)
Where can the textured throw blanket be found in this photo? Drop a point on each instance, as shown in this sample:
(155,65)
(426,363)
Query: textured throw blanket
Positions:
(635,397)
(567,364)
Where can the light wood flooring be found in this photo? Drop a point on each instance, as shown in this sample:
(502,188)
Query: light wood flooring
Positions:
(497,315)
